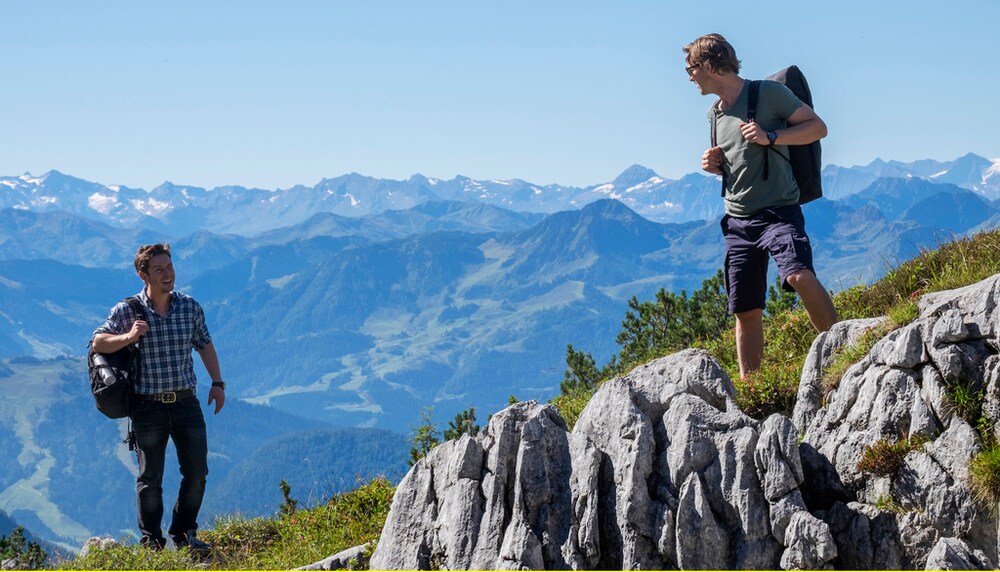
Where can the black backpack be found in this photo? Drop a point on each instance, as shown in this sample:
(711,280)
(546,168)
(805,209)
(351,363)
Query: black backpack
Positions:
(806,160)
(113,375)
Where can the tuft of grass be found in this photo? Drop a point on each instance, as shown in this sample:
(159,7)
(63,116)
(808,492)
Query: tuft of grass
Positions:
(291,539)
(888,504)
(984,477)
(903,313)
(959,263)
(131,557)
(885,457)
(765,392)
(967,402)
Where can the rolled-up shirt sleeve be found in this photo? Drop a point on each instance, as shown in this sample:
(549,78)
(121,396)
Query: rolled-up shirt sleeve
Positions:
(118,322)
(201,337)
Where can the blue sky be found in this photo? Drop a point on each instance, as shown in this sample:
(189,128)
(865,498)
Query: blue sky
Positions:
(273,94)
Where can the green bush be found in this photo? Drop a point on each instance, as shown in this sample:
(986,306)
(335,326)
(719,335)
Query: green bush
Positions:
(425,436)
(29,555)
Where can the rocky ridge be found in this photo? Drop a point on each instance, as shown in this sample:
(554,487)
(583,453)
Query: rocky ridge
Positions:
(663,470)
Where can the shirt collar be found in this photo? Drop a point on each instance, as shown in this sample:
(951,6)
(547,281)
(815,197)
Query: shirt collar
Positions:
(146,302)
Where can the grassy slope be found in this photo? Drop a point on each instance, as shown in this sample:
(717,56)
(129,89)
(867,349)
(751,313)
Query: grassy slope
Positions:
(288,540)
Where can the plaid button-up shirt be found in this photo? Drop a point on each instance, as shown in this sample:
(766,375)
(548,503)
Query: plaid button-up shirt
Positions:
(167,363)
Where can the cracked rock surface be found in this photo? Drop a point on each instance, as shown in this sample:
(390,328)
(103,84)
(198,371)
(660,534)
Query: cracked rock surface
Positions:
(899,392)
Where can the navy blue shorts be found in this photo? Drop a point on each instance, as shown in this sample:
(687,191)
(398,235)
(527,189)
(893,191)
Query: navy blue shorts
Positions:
(779,233)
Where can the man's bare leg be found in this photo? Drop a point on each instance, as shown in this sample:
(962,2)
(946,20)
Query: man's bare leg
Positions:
(815,298)
(750,340)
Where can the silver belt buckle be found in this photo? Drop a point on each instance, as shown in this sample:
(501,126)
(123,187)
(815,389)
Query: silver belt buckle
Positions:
(168,397)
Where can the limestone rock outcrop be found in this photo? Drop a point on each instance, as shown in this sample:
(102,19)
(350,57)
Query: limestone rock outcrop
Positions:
(662,469)
(900,392)
(660,465)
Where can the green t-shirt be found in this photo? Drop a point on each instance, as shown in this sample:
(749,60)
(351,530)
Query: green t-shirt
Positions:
(747,193)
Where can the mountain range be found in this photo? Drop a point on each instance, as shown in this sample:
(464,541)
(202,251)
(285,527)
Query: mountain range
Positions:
(180,210)
(341,310)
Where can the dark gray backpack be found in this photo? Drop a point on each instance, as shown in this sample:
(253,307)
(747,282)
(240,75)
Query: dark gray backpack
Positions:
(112,376)
(805,159)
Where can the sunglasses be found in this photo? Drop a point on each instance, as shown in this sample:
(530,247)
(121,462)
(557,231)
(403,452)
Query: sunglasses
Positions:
(690,69)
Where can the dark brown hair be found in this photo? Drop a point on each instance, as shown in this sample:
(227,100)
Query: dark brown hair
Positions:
(146,252)
(715,50)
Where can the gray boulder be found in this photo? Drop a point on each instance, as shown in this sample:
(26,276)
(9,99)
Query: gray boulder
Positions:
(343,560)
(97,543)
(810,544)
(686,468)
(523,493)
(953,554)
(991,397)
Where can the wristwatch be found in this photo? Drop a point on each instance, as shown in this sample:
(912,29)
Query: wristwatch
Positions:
(771,137)
(219,384)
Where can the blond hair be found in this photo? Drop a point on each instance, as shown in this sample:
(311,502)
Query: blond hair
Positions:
(715,50)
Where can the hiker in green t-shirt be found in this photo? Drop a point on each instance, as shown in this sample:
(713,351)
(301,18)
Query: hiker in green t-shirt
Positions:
(763,218)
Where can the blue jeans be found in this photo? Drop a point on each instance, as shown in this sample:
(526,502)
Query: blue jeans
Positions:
(153,423)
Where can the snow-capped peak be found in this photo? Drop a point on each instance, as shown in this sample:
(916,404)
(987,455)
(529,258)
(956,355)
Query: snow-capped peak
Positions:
(993,169)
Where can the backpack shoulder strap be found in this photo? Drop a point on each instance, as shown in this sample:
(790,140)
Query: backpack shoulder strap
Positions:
(140,313)
(713,122)
(135,362)
(715,140)
(752,96)
(136,304)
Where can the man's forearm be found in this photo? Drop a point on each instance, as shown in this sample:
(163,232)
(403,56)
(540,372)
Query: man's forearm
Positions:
(211,361)
(802,133)
(110,343)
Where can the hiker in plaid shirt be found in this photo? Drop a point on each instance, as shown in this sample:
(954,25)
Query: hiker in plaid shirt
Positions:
(165,405)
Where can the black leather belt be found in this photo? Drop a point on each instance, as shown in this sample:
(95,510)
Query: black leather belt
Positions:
(167,396)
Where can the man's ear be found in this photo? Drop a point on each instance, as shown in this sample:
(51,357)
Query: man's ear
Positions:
(143,276)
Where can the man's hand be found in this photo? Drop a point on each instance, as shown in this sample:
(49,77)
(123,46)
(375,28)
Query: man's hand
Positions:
(139,329)
(754,133)
(217,395)
(711,160)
